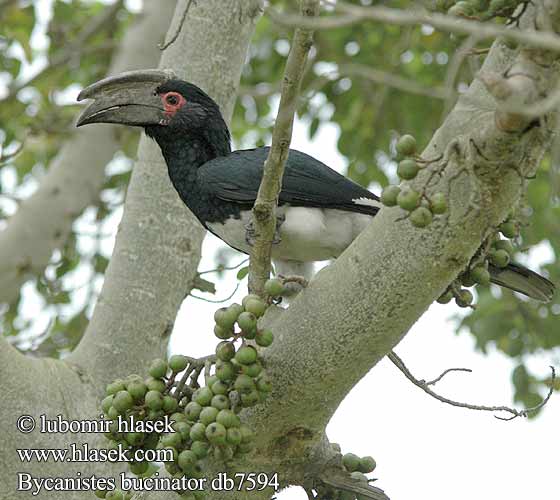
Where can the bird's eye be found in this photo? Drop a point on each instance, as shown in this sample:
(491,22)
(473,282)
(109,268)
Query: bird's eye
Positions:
(172,99)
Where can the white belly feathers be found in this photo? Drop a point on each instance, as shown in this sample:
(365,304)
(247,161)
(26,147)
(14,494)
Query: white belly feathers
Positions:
(307,234)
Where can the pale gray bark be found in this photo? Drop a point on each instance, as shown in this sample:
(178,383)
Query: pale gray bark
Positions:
(76,175)
(353,312)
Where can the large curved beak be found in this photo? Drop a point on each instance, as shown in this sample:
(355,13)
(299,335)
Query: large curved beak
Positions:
(128,98)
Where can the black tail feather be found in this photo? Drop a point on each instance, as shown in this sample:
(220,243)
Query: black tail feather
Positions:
(523,280)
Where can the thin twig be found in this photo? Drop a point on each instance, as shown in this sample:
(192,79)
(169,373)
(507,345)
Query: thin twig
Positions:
(219,269)
(453,69)
(6,3)
(194,376)
(395,81)
(217,301)
(399,363)
(94,234)
(11,197)
(195,365)
(353,14)
(310,494)
(445,372)
(163,46)
(264,210)
(207,367)
(5,158)
(259,91)
(183,382)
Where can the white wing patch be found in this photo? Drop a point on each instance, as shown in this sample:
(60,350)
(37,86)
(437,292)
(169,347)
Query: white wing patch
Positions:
(368,202)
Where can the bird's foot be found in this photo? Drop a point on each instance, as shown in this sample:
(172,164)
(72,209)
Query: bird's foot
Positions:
(280,218)
(251,233)
(299,280)
(293,284)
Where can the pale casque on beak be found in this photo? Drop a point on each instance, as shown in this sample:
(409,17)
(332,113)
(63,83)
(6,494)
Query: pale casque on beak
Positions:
(129,99)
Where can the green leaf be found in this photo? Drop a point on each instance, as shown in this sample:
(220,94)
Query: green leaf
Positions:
(100,263)
(314,127)
(17,24)
(244,271)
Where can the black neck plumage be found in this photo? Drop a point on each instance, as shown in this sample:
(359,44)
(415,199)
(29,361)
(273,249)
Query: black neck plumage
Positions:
(184,154)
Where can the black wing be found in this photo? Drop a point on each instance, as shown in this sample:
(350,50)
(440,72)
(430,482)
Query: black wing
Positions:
(307,182)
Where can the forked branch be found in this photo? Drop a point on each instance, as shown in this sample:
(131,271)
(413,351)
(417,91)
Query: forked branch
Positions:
(425,386)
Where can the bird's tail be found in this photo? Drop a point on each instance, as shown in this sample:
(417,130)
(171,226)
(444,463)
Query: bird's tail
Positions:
(522,280)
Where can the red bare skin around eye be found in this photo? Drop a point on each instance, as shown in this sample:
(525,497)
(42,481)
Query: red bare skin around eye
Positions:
(172,102)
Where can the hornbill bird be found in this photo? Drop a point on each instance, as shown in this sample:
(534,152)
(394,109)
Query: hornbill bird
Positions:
(320,212)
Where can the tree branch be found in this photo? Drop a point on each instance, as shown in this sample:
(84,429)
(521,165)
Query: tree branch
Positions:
(7,157)
(513,114)
(453,69)
(395,81)
(172,40)
(381,77)
(264,210)
(399,363)
(444,373)
(353,14)
(222,268)
(203,285)
(76,175)
(217,301)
